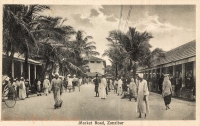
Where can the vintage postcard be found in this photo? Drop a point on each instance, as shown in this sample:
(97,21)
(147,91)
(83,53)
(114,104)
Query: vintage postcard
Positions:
(100,63)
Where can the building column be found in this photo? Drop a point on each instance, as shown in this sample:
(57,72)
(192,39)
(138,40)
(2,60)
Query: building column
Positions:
(21,68)
(13,69)
(174,71)
(29,72)
(160,71)
(34,71)
(183,75)
(194,71)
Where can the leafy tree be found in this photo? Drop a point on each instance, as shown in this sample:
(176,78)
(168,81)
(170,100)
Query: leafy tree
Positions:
(16,32)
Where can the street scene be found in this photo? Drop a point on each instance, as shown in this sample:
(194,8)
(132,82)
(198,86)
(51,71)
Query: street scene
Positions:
(98,62)
(84,106)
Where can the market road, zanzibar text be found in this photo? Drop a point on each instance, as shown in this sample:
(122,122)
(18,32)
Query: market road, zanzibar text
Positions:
(100,123)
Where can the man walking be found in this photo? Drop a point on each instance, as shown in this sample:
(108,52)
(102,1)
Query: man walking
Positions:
(96,83)
(57,90)
(143,92)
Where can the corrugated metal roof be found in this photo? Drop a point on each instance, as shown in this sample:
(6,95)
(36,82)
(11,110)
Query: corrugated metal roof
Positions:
(182,52)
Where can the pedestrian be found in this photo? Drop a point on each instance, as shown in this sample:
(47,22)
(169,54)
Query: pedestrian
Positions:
(115,85)
(39,88)
(27,85)
(69,80)
(142,100)
(79,83)
(18,85)
(46,85)
(132,87)
(108,83)
(119,88)
(96,83)
(102,87)
(57,88)
(74,82)
(65,83)
(167,90)
(15,87)
(22,89)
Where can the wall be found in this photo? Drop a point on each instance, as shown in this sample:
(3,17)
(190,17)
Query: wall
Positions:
(96,67)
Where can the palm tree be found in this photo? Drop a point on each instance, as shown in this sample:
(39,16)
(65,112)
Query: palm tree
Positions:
(53,37)
(136,49)
(16,31)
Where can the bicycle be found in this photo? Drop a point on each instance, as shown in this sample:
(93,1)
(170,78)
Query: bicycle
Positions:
(9,97)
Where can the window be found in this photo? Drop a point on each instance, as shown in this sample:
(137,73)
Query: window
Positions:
(98,61)
(91,61)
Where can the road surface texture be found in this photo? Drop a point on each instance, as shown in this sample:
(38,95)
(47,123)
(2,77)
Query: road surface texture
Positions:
(84,106)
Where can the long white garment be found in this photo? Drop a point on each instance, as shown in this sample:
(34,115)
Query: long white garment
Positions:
(142,105)
(103,88)
(69,81)
(46,85)
(119,90)
(22,92)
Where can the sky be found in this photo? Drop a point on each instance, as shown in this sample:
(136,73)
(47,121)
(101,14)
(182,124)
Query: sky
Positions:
(170,25)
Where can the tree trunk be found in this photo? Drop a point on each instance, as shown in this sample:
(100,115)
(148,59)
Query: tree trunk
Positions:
(26,66)
(45,69)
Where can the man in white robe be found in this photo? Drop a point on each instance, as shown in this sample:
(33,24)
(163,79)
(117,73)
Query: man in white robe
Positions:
(22,89)
(102,87)
(119,90)
(142,100)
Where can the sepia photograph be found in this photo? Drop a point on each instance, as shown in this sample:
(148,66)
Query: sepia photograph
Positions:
(98,64)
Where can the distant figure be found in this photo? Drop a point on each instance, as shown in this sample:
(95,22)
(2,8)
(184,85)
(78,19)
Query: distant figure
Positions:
(69,80)
(119,90)
(102,87)
(22,89)
(46,85)
(167,91)
(39,87)
(57,88)
(133,92)
(142,101)
(96,83)
(115,85)
(27,85)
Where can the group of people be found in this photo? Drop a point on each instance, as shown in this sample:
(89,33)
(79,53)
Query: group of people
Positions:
(136,88)
(17,87)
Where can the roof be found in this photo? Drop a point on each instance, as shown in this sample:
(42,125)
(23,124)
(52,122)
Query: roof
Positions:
(90,74)
(182,52)
(92,58)
(23,59)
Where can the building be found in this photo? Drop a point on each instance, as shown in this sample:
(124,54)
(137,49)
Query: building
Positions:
(180,64)
(96,65)
(34,67)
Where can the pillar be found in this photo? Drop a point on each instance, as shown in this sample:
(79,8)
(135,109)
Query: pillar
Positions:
(34,71)
(194,71)
(174,71)
(21,67)
(29,72)
(183,75)
(160,71)
(13,72)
